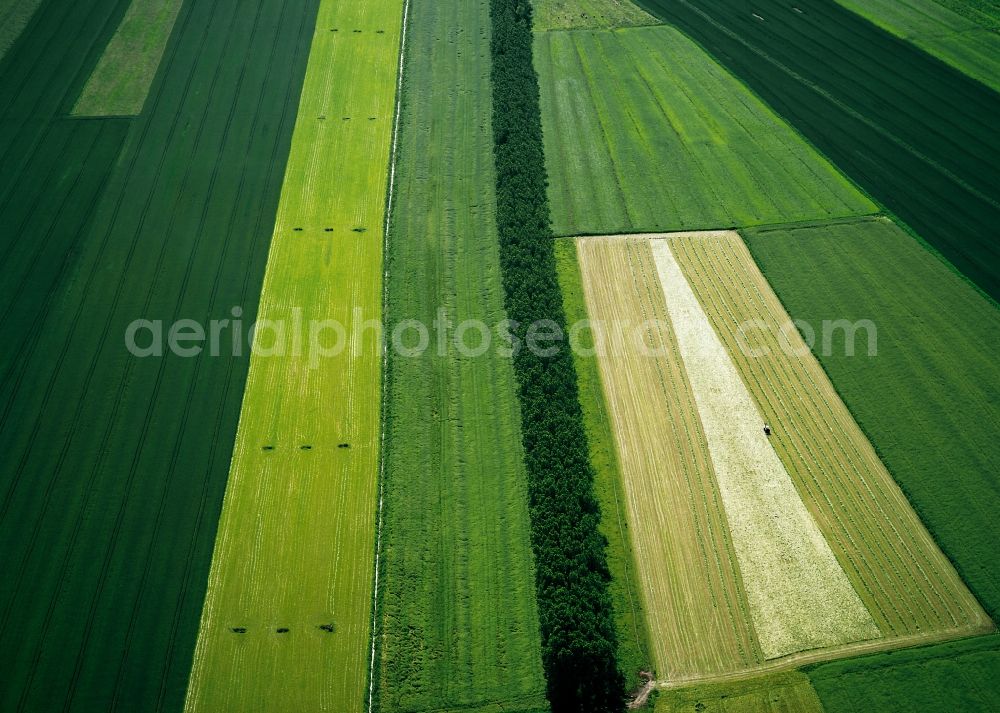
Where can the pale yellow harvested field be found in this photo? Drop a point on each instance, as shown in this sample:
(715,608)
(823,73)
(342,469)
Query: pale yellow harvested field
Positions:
(905,581)
(799,596)
(695,605)
(753,553)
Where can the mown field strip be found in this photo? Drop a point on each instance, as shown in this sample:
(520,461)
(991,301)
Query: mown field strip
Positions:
(665,138)
(696,609)
(286,622)
(458,619)
(908,585)
(799,596)
(120,82)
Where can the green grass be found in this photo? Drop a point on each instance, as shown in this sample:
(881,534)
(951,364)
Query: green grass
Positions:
(929,400)
(645,132)
(14,16)
(983,12)
(459,622)
(296,543)
(577,14)
(120,82)
(633,644)
(958,676)
(789,691)
(963,43)
(114,466)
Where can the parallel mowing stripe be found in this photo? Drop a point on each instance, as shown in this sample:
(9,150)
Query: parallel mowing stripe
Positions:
(800,598)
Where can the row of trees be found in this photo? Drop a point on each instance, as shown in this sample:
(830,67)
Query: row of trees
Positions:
(579,642)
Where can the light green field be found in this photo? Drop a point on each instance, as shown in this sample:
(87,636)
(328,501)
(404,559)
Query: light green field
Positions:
(630,619)
(120,83)
(14,16)
(296,539)
(457,612)
(645,132)
(969,46)
(570,14)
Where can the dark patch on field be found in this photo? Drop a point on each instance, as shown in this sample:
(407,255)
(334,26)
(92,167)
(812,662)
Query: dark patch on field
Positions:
(115,466)
(916,134)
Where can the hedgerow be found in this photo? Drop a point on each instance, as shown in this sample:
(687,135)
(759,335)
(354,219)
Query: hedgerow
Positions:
(579,641)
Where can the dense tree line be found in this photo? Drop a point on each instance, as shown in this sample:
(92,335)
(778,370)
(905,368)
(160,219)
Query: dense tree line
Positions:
(579,641)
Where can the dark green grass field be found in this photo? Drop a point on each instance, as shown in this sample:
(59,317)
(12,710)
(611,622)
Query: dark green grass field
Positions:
(459,623)
(930,400)
(114,467)
(958,676)
(916,134)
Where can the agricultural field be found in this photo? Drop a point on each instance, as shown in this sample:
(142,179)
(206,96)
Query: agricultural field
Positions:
(971,46)
(630,619)
(116,465)
(567,14)
(621,107)
(786,691)
(455,536)
(940,419)
(14,16)
(288,611)
(120,82)
(854,567)
(900,123)
(540,356)
(958,675)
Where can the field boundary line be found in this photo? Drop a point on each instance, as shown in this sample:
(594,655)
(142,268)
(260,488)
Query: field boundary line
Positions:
(383,397)
(756,228)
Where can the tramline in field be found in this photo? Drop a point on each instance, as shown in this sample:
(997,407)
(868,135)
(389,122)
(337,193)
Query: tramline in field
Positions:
(754,551)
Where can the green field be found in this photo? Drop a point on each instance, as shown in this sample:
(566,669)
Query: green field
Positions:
(121,81)
(645,133)
(630,620)
(570,14)
(968,46)
(14,16)
(936,357)
(900,123)
(458,618)
(788,691)
(958,676)
(115,465)
(287,618)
